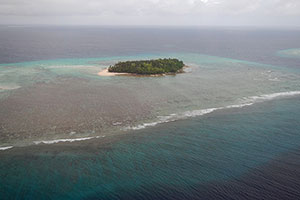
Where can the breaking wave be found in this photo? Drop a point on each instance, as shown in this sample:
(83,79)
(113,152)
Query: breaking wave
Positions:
(178,116)
(5,148)
(194,113)
(65,140)
(9,87)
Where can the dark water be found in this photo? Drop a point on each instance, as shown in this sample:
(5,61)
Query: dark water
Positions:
(18,44)
(250,152)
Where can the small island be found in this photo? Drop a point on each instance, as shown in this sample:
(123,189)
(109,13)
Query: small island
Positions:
(147,67)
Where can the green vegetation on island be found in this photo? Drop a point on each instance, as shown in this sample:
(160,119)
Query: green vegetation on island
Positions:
(148,67)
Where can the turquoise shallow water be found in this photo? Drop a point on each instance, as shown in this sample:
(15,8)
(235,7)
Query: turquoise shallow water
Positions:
(228,128)
(67,99)
(290,53)
(24,73)
(179,160)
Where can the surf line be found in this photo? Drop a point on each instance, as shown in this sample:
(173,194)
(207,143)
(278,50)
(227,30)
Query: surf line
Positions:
(248,101)
(6,148)
(66,140)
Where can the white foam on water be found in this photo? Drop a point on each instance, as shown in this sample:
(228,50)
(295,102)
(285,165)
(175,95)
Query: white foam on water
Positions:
(9,87)
(274,95)
(117,123)
(65,140)
(239,105)
(178,116)
(5,148)
(194,113)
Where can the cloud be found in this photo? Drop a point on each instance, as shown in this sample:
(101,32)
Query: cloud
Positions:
(197,11)
(95,7)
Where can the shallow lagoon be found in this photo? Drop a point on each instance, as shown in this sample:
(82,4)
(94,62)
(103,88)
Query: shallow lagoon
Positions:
(232,128)
(66,99)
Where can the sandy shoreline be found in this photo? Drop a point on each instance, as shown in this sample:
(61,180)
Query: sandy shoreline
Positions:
(105,72)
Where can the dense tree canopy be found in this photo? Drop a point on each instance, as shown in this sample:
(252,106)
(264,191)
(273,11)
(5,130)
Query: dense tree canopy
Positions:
(147,67)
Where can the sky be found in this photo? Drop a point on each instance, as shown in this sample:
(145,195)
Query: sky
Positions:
(152,12)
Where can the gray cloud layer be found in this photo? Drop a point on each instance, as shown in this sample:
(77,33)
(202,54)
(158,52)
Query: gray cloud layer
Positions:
(151,12)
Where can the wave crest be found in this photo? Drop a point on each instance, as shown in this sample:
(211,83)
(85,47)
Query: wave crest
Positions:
(65,140)
(194,113)
(6,148)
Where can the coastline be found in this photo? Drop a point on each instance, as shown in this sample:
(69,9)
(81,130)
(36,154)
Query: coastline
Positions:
(105,72)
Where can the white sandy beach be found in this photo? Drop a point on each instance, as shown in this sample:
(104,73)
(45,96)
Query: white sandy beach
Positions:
(105,72)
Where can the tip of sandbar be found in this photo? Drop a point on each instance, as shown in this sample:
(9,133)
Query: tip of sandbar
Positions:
(105,72)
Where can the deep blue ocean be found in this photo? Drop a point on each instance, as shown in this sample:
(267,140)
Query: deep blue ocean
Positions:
(229,129)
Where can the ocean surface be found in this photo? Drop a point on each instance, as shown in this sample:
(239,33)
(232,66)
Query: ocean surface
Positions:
(227,128)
